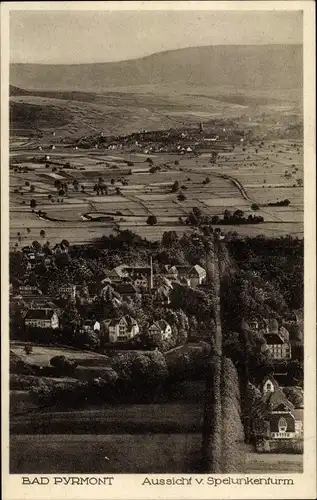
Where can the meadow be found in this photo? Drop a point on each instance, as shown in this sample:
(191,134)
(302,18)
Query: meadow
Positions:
(41,355)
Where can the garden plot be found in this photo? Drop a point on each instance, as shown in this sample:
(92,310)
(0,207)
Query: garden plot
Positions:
(285,214)
(225,202)
(155,197)
(77,233)
(126,208)
(53,175)
(63,214)
(170,208)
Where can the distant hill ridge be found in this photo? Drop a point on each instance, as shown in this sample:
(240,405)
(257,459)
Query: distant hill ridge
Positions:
(243,66)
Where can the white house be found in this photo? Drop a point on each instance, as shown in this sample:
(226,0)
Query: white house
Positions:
(160,329)
(284,421)
(120,329)
(41,318)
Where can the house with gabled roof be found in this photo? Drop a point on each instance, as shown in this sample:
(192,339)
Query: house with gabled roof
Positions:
(126,289)
(191,275)
(116,274)
(90,325)
(161,296)
(284,421)
(41,318)
(277,346)
(120,329)
(160,330)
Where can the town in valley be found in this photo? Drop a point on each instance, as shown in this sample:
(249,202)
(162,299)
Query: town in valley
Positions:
(156,270)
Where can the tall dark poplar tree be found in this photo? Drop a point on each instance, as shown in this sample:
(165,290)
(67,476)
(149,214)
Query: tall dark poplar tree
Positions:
(212,424)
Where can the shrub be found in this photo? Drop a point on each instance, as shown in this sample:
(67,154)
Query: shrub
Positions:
(175,187)
(63,364)
(28,349)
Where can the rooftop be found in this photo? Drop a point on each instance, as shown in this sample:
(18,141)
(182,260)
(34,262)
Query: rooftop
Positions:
(39,314)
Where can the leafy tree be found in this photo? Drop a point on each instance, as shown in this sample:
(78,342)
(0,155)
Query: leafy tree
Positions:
(147,368)
(193,219)
(28,349)
(36,245)
(294,395)
(255,206)
(32,188)
(215,219)
(175,187)
(169,239)
(42,233)
(151,220)
(63,364)
(33,204)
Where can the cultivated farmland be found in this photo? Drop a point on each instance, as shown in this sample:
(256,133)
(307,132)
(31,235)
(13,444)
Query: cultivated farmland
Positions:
(63,189)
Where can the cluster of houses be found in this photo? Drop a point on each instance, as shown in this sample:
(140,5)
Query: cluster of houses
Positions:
(121,282)
(283,420)
(181,141)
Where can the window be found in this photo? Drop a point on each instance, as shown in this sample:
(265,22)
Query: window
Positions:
(282,425)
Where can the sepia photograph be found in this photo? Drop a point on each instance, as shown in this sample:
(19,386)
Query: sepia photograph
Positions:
(156,242)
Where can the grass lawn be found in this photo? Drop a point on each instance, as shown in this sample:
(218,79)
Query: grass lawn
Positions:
(99,454)
(41,355)
(166,417)
(126,453)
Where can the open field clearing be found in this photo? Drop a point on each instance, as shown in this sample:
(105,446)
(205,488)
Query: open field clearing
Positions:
(225,202)
(271,195)
(119,418)
(41,355)
(121,453)
(74,232)
(127,453)
(273,462)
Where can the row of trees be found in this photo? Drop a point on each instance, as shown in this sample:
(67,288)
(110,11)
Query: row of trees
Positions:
(196,218)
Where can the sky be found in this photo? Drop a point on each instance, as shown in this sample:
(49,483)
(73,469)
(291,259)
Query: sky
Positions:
(57,37)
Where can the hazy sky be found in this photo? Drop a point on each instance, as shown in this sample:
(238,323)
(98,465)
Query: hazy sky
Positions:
(101,36)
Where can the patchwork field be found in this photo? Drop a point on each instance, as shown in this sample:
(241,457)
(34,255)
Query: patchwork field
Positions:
(64,191)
